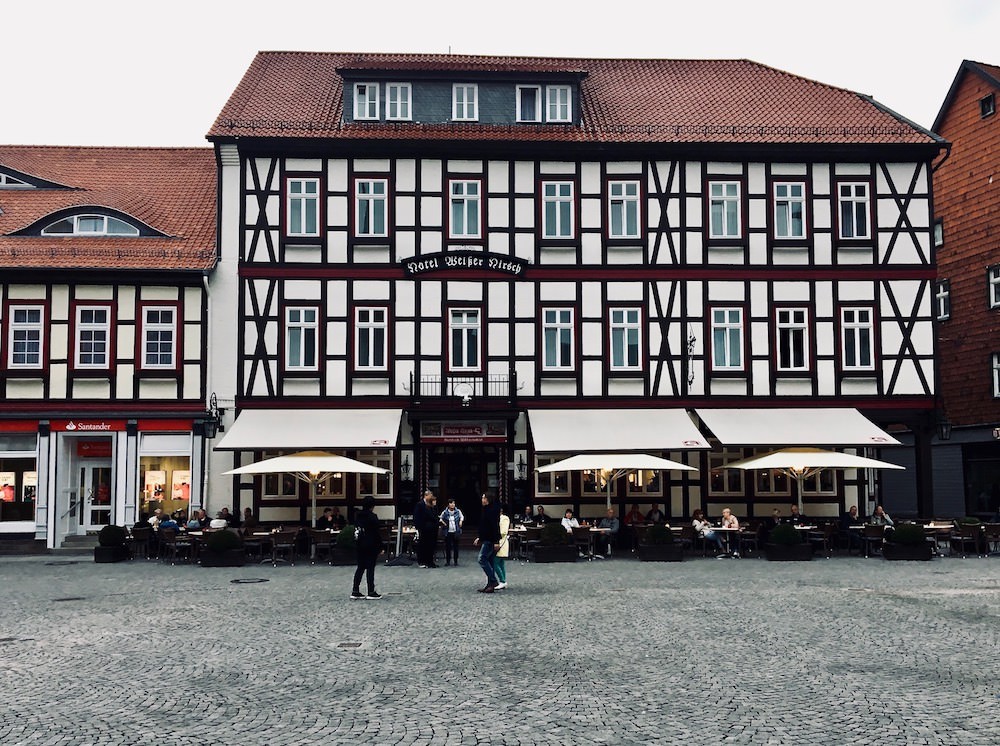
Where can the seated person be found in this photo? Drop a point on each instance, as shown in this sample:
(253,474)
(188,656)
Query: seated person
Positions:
(730,521)
(528,516)
(605,541)
(168,522)
(775,519)
(154,520)
(326,521)
(339,521)
(795,516)
(848,519)
(249,521)
(228,517)
(655,515)
(569,522)
(634,516)
(540,516)
(202,517)
(704,529)
(218,522)
(881,518)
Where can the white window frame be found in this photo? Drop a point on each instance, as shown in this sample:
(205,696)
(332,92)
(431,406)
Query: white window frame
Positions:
(733,483)
(993,281)
(378,486)
(369,321)
(791,339)
(9,182)
(728,329)
(853,333)
(398,102)
(465,102)
(726,197)
(539,103)
(98,334)
(765,483)
(854,205)
(644,483)
(466,202)
(465,337)
(938,232)
(366,102)
(824,482)
(558,210)
(624,200)
(558,325)
(553,483)
(26,328)
(305,321)
(558,104)
(995,366)
(307,203)
(624,336)
(80,230)
(373,200)
(942,300)
(785,197)
(159,327)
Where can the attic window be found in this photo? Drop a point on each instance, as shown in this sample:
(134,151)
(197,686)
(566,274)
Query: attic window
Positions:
(987,106)
(9,182)
(90,225)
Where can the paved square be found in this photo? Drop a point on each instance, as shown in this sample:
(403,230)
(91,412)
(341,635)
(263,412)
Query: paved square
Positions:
(842,651)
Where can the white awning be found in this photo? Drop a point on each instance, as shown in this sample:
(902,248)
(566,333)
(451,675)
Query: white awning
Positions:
(307,429)
(805,426)
(576,430)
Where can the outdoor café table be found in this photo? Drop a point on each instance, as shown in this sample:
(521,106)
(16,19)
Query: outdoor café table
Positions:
(726,533)
(941,532)
(594,531)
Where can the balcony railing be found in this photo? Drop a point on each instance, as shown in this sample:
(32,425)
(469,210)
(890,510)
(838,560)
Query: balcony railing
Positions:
(464,387)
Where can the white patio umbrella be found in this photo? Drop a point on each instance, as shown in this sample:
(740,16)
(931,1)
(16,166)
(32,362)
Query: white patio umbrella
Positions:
(613,465)
(802,463)
(311,467)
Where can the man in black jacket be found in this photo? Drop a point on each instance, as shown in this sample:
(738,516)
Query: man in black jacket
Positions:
(488,540)
(425,520)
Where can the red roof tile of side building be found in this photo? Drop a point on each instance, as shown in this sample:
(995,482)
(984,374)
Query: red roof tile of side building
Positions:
(652,101)
(171,190)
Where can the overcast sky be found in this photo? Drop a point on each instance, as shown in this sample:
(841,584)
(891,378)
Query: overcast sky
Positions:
(111,72)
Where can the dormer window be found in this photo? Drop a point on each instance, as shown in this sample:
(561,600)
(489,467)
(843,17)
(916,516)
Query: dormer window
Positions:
(90,225)
(529,103)
(9,182)
(558,103)
(366,100)
(465,102)
(397,101)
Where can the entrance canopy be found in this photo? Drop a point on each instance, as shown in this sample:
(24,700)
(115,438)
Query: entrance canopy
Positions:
(306,429)
(614,430)
(805,426)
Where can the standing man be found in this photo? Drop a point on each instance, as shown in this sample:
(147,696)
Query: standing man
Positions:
(488,541)
(425,520)
(452,520)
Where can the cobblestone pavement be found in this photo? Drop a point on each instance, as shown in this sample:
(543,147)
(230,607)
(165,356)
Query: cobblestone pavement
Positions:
(842,651)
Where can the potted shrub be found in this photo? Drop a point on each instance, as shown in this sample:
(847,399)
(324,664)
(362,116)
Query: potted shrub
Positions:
(112,545)
(555,544)
(223,548)
(785,544)
(907,541)
(344,550)
(657,545)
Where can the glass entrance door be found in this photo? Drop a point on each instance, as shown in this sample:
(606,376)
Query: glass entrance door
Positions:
(96,491)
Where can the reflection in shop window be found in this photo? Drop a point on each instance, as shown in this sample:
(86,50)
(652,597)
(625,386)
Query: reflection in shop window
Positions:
(552,483)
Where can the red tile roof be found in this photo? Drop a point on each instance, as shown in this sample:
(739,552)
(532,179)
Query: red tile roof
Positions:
(170,189)
(300,94)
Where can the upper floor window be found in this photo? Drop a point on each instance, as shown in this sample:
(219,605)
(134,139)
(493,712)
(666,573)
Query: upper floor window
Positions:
(727,338)
(789,210)
(93,337)
(370,339)
(27,336)
(159,337)
(366,101)
(301,338)
(987,106)
(793,339)
(370,207)
(465,102)
(993,282)
(303,207)
(623,209)
(529,103)
(995,365)
(465,209)
(939,232)
(724,209)
(559,103)
(626,338)
(464,339)
(855,220)
(557,339)
(90,225)
(857,333)
(397,101)
(557,209)
(942,300)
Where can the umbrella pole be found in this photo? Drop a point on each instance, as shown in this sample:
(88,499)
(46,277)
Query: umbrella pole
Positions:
(312,494)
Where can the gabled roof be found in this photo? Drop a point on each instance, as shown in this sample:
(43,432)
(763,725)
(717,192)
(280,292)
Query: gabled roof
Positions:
(300,95)
(171,190)
(989,73)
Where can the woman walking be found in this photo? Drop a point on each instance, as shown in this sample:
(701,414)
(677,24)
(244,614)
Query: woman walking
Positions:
(369,546)
(503,552)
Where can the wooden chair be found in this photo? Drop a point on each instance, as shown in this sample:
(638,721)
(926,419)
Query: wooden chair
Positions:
(531,538)
(872,536)
(140,541)
(749,538)
(320,541)
(173,546)
(966,535)
(581,537)
(283,543)
(693,539)
(991,535)
(824,538)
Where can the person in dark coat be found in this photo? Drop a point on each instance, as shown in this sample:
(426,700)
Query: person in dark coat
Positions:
(488,540)
(369,546)
(425,520)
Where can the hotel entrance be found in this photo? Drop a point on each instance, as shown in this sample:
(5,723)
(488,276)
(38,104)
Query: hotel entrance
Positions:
(462,474)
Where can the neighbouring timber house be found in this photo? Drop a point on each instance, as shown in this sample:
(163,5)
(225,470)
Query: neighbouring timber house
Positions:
(462,268)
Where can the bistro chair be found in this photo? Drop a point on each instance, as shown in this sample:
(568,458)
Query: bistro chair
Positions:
(532,535)
(991,535)
(320,541)
(254,545)
(749,538)
(172,546)
(581,537)
(824,538)
(966,535)
(692,539)
(140,540)
(872,536)
(283,543)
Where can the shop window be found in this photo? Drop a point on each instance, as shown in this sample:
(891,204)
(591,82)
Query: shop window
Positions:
(725,482)
(376,485)
(645,483)
(551,484)
(18,476)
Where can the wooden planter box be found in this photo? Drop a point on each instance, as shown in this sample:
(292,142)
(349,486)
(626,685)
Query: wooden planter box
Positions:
(908,551)
(788,552)
(661,552)
(229,558)
(111,554)
(555,553)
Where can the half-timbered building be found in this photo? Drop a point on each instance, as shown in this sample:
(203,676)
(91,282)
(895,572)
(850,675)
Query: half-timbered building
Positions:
(104,254)
(463,268)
